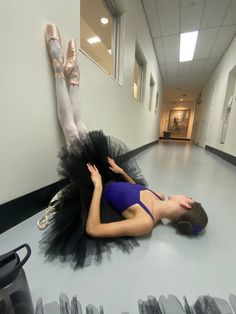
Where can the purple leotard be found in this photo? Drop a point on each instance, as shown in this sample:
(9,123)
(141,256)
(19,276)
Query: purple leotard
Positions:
(122,195)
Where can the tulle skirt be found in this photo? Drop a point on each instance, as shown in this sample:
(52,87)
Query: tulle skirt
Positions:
(66,237)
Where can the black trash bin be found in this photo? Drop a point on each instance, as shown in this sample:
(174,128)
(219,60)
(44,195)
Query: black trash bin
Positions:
(166,134)
(15,297)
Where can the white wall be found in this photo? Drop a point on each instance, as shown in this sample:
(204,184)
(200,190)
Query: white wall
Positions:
(215,95)
(30,136)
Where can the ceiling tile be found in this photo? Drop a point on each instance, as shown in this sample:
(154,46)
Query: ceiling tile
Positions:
(168,12)
(223,39)
(211,64)
(172,70)
(205,41)
(159,50)
(185,82)
(230,17)
(214,12)
(182,81)
(163,72)
(183,69)
(191,13)
(172,82)
(201,78)
(196,73)
(171,48)
(151,12)
(195,83)
(197,67)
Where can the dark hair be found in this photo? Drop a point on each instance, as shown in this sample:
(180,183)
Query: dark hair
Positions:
(193,221)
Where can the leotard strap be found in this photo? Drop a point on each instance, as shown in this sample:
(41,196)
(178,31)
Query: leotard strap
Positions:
(155,194)
(146,209)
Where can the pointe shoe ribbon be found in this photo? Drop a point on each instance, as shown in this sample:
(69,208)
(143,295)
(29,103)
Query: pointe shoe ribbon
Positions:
(71,68)
(52,32)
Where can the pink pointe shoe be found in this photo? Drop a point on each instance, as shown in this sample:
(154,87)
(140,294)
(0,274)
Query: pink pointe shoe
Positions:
(71,68)
(57,62)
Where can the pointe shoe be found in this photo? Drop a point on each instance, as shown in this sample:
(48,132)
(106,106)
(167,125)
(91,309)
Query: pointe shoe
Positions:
(71,69)
(44,222)
(53,33)
(71,57)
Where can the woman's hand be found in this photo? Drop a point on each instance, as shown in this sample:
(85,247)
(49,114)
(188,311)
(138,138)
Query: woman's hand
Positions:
(95,175)
(113,166)
(182,200)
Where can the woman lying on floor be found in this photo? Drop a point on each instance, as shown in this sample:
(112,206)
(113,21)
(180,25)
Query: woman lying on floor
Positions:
(107,201)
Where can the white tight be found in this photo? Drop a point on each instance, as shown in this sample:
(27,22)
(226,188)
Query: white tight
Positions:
(74,100)
(67,101)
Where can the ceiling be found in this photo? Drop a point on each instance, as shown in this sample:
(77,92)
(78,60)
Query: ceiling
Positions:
(216,22)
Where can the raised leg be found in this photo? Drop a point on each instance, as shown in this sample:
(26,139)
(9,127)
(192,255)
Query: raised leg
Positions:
(64,112)
(64,107)
(74,98)
(73,73)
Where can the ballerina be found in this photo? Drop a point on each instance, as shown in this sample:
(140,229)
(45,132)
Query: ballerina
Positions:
(106,201)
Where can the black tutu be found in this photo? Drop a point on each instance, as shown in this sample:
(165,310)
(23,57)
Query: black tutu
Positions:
(66,237)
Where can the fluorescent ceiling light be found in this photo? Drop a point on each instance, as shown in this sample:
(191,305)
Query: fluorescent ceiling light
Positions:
(187,46)
(104,20)
(94,40)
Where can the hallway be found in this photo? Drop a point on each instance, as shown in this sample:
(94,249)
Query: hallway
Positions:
(165,263)
(135,86)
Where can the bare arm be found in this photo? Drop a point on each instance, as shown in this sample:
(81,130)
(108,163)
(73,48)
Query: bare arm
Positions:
(94,210)
(115,168)
(94,227)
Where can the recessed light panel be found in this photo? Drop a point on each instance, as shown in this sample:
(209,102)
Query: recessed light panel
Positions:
(93,40)
(187,46)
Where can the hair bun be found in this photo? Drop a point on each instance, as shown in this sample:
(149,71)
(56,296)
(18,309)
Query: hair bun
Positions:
(184,227)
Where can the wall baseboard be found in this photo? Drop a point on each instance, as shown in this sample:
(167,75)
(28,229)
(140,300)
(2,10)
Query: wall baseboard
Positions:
(23,207)
(230,158)
(175,138)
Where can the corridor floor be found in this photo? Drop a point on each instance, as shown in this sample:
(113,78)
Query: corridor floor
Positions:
(165,262)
